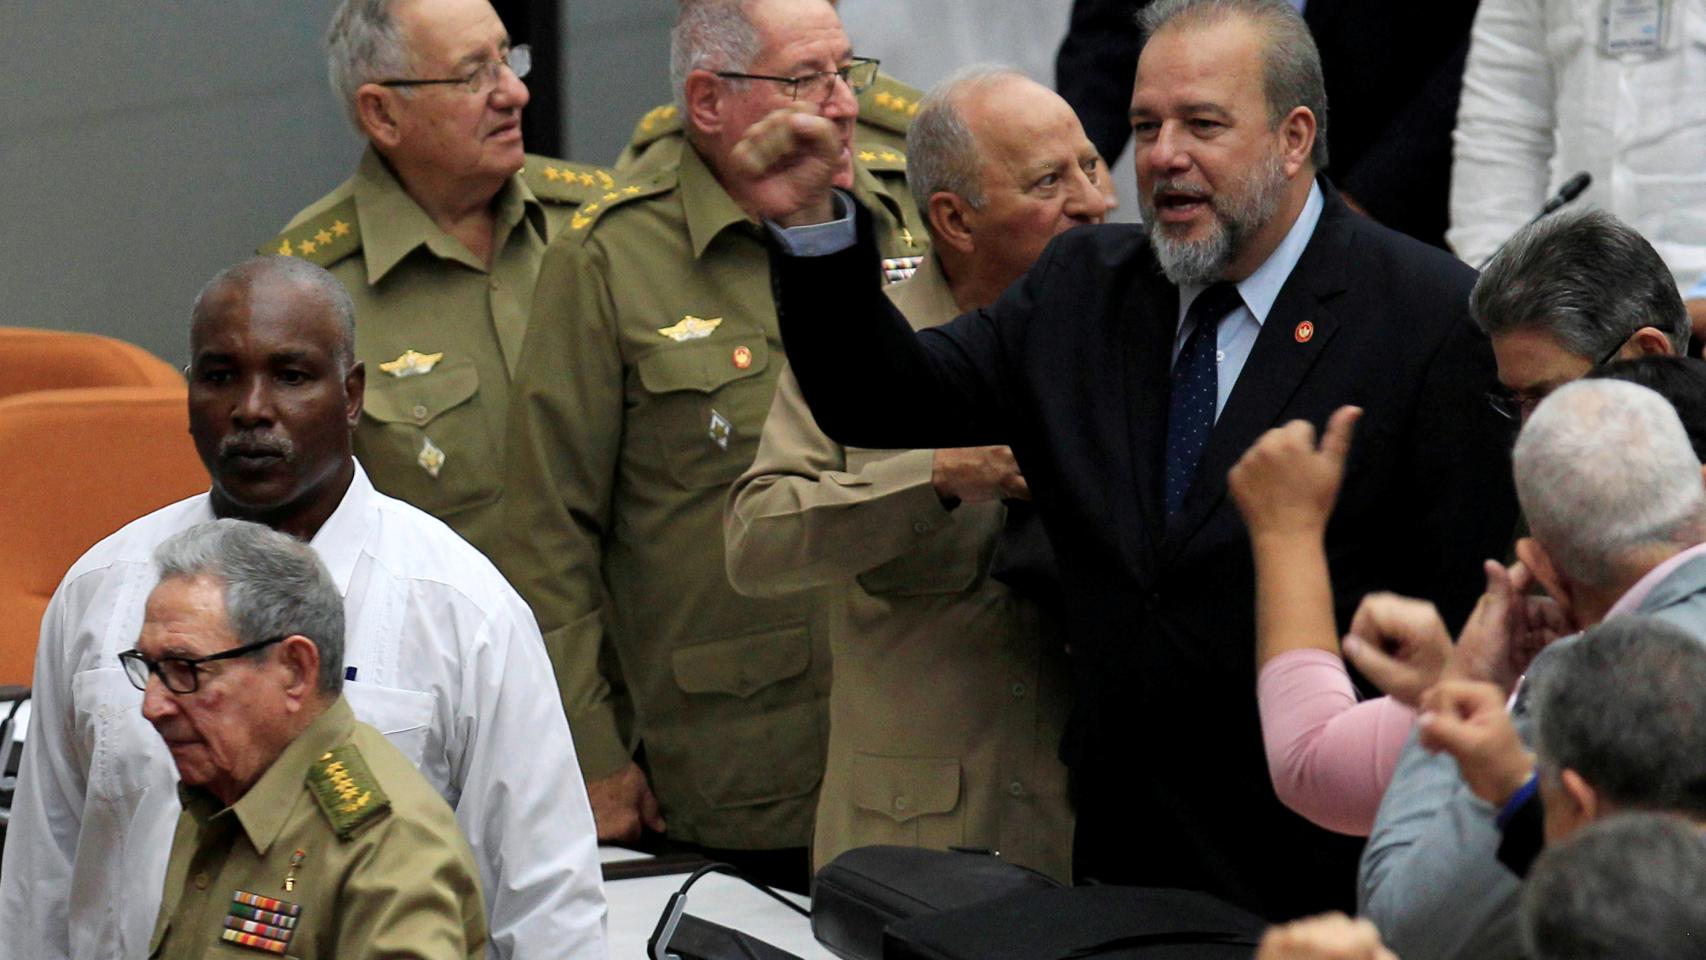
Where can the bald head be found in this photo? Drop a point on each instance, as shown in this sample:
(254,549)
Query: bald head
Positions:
(289,277)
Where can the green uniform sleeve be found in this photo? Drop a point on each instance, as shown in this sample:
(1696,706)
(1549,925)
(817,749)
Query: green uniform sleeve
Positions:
(414,895)
(564,435)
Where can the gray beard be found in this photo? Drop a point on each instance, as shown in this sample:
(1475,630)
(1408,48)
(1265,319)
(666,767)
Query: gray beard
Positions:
(1236,216)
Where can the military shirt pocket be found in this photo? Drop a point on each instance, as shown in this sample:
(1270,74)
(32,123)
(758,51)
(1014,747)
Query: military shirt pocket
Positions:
(778,718)
(423,440)
(908,800)
(707,403)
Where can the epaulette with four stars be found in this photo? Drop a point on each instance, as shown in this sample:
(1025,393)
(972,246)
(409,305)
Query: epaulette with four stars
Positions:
(889,104)
(619,194)
(346,790)
(563,181)
(659,122)
(323,239)
(880,159)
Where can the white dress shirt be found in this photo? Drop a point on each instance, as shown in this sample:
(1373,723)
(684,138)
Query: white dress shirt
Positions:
(1541,102)
(448,664)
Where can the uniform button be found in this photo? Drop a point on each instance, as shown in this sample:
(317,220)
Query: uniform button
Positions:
(1018,689)
(901,803)
(921,527)
(420,411)
(1016,788)
(494,284)
(201,881)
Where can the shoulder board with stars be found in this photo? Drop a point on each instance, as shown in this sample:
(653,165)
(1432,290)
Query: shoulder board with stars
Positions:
(322,240)
(562,181)
(346,790)
(659,122)
(880,159)
(619,194)
(889,104)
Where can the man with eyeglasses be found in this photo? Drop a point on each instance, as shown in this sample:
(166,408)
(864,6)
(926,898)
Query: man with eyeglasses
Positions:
(1570,293)
(644,385)
(304,831)
(438,236)
(441,655)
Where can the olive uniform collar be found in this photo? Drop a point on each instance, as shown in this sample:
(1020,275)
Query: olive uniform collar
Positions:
(392,224)
(270,803)
(709,208)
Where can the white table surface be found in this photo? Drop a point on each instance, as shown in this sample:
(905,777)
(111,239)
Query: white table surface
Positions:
(636,904)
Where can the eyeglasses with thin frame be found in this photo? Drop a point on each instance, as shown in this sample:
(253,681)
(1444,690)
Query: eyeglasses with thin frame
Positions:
(519,60)
(1510,406)
(818,87)
(180,674)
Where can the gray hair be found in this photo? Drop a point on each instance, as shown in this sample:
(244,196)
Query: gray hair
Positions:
(1604,468)
(365,43)
(1623,707)
(1633,885)
(1291,64)
(275,586)
(292,270)
(710,35)
(942,156)
(1585,277)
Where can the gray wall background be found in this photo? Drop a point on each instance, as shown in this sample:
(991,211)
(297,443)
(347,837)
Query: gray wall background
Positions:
(148,144)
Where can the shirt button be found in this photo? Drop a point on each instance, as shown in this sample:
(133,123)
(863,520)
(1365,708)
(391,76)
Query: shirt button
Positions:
(420,411)
(201,881)
(901,803)
(494,284)
(921,527)
(1220,356)
(1018,689)
(1016,788)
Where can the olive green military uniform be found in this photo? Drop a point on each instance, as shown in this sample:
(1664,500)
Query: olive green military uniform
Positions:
(885,112)
(439,331)
(648,370)
(949,697)
(340,849)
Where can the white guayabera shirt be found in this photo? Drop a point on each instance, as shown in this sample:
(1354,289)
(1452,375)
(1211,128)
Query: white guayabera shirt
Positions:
(448,664)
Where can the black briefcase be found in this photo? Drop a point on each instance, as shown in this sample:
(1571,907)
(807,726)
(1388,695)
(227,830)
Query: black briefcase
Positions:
(863,891)
(1106,923)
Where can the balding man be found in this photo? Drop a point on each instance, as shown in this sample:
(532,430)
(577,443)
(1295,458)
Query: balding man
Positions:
(646,378)
(948,699)
(441,655)
(438,238)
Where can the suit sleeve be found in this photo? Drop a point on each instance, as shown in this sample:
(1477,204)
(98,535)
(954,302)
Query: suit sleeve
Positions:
(947,386)
(523,805)
(564,433)
(798,518)
(1096,67)
(47,811)
(1503,143)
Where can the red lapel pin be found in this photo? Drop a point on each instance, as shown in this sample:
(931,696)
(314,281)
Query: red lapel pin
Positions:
(1304,331)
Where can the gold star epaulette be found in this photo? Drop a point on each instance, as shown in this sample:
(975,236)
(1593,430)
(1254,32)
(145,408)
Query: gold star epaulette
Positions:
(618,194)
(880,159)
(561,181)
(889,104)
(659,122)
(345,788)
(324,239)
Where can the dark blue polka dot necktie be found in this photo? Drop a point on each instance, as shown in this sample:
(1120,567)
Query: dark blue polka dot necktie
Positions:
(1190,411)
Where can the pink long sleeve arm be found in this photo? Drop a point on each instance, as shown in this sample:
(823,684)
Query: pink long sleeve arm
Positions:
(1330,756)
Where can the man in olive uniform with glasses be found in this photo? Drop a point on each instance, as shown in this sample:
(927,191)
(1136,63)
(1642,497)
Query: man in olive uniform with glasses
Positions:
(303,831)
(643,388)
(438,238)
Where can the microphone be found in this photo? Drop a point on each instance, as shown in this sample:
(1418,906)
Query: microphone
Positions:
(1571,189)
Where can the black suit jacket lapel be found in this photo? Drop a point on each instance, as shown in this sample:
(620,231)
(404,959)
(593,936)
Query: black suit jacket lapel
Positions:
(1278,363)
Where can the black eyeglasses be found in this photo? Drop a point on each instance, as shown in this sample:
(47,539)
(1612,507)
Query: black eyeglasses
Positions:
(519,60)
(1511,405)
(820,86)
(180,674)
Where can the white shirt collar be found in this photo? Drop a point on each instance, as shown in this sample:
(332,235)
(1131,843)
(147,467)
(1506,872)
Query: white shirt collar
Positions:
(1260,289)
(340,539)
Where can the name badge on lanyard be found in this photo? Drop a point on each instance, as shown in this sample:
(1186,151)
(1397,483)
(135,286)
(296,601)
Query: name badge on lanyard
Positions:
(1633,27)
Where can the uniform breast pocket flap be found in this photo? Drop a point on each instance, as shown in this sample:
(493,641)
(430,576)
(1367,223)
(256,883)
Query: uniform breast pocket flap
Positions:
(419,400)
(706,406)
(903,788)
(403,716)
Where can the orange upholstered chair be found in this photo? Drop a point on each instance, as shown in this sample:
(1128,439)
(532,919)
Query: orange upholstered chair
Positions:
(75,465)
(57,360)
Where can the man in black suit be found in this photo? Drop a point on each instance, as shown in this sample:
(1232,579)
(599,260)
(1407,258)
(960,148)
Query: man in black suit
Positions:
(1278,303)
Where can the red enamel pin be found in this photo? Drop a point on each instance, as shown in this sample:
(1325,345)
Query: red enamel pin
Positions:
(1304,331)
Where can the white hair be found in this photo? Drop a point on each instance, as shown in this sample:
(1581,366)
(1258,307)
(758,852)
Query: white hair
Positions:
(710,35)
(941,153)
(365,43)
(1603,469)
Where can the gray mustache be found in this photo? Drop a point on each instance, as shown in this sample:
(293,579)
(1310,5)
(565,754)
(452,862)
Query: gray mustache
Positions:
(251,443)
